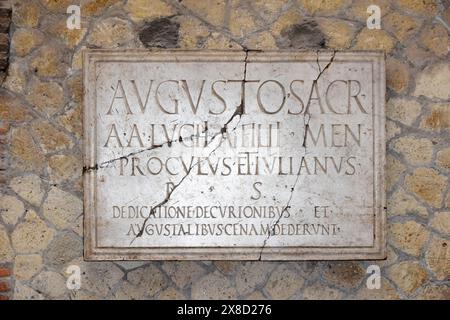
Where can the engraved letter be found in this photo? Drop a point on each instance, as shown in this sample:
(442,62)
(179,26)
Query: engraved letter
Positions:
(143,106)
(258,96)
(113,134)
(257,190)
(163,109)
(185,87)
(214,92)
(327,98)
(296,96)
(316,89)
(122,96)
(135,134)
(355,96)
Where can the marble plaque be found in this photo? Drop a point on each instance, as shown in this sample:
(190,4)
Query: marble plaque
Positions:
(233,155)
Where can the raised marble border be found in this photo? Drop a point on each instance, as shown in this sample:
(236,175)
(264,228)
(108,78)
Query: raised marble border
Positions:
(91,252)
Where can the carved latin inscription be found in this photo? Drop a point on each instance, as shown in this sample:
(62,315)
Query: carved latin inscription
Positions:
(234,155)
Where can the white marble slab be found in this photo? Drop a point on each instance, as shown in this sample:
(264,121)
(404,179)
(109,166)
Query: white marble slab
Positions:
(234,155)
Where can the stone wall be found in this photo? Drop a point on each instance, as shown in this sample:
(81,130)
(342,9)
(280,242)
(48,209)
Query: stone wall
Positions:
(40,105)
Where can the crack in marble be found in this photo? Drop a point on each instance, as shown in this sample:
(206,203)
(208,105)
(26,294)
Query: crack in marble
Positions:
(238,112)
(105,164)
(306,120)
(166,199)
(239,109)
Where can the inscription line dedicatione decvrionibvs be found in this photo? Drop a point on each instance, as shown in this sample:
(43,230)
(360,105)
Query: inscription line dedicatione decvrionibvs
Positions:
(234,155)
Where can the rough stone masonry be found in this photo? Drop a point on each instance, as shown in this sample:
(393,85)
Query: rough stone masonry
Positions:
(40,105)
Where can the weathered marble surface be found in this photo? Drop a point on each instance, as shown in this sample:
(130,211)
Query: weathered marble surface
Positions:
(321,174)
